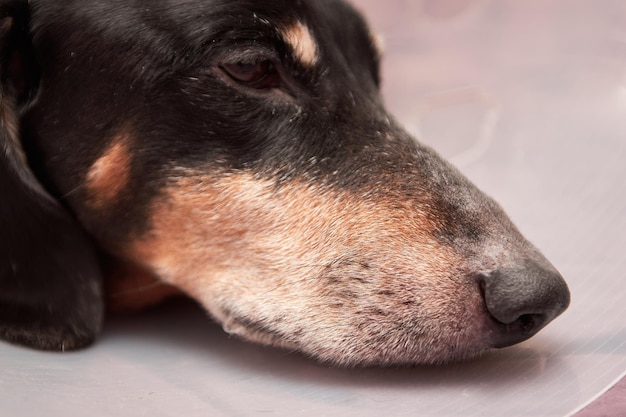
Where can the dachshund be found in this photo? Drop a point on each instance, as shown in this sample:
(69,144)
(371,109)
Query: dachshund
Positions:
(239,153)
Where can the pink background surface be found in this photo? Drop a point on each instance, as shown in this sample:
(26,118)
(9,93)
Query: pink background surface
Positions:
(528,98)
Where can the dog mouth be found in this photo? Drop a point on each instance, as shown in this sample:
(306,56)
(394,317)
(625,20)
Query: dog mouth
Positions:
(396,337)
(256,330)
(369,343)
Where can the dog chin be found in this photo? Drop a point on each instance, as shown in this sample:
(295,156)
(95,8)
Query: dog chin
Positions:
(329,345)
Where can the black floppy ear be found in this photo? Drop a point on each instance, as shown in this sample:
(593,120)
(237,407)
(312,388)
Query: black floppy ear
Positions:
(50,281)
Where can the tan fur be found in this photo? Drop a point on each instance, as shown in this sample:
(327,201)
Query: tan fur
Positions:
(109,175)
(130,287)
(378,42)
(303,44)
(314,269)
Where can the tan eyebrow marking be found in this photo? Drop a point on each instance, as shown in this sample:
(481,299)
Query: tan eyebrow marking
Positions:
(303,44)
(378,42)
(108,176)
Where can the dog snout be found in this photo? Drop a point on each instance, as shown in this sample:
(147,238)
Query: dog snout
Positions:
(522,299)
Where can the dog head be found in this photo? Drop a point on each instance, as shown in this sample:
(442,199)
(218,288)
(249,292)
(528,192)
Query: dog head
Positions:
(240,152)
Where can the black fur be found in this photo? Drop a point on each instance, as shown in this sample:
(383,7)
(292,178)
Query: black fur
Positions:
(50,280)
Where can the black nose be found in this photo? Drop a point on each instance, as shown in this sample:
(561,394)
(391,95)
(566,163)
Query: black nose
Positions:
(522,299)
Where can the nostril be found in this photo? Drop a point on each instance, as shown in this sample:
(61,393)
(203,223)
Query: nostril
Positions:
(529,322)
(505,331)
(521,329)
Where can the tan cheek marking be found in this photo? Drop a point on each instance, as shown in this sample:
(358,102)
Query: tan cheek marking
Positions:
(303,44)
(333,273)
(346,277)
(237,236)
(109,175)
(200,230)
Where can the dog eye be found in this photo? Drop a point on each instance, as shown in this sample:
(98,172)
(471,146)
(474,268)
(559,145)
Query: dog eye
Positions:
(259,75)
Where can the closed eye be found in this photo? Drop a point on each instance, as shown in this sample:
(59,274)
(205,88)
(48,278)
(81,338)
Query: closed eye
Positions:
(260,75)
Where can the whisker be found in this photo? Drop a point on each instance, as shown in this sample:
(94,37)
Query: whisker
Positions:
(137,290)
(74,190)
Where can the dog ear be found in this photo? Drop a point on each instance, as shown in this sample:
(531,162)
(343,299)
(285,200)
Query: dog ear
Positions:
(50,281)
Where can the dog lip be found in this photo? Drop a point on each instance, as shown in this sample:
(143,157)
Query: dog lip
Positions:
(250,329)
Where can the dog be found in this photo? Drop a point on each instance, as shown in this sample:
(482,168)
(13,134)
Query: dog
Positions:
(239,153)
